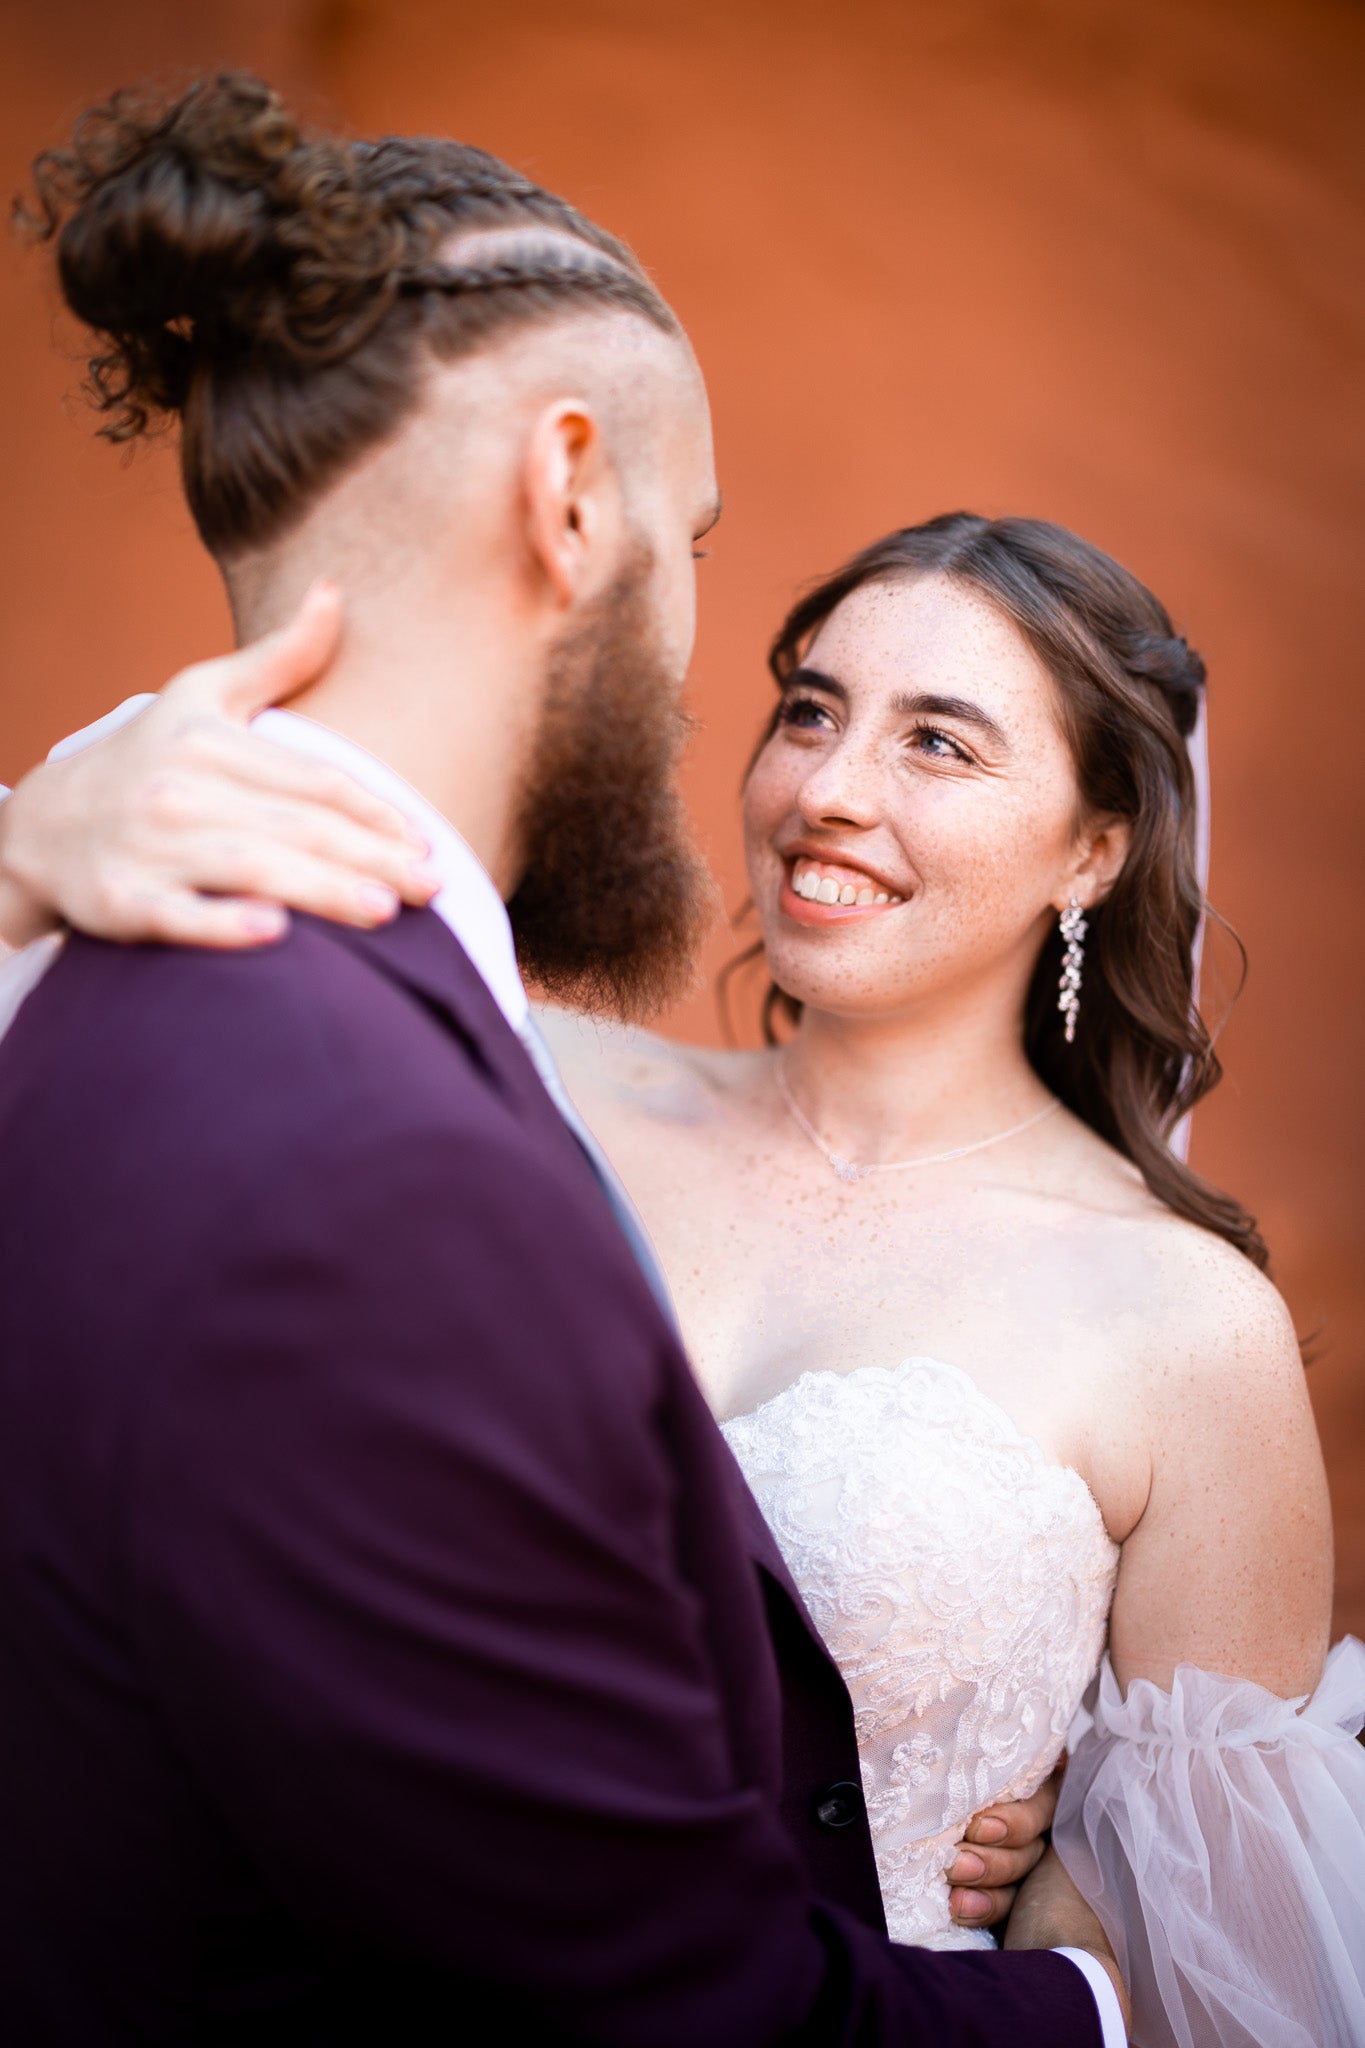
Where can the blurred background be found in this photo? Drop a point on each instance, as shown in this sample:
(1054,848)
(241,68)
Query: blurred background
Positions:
(1075,258)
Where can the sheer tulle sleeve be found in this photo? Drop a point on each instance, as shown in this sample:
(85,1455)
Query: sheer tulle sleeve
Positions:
(1219,1833)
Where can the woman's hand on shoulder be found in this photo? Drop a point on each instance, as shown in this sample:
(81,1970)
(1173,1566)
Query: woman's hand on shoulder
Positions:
(1229,1567)
(184,827)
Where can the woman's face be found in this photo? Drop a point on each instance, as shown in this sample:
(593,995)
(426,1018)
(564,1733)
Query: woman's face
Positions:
(912,826)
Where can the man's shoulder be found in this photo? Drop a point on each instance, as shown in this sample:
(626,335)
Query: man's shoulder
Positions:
(269,1046)
(273,1001)
(180,1107)
(189,1111)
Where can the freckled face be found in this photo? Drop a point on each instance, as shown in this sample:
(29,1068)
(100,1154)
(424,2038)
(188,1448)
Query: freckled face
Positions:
(918,756)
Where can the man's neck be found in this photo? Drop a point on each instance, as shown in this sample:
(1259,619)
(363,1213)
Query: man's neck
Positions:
(447,709)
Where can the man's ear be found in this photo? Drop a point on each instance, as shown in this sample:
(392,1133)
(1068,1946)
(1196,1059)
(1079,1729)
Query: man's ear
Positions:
(1100,854)
(570,497)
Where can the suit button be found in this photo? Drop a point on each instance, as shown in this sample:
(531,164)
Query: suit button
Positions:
(839,1805)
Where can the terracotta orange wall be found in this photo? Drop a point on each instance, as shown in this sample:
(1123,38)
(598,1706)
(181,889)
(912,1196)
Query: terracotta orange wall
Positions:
(1068,257)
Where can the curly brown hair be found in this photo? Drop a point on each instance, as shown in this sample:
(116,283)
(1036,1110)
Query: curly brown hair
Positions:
(1130,689)
(274,290)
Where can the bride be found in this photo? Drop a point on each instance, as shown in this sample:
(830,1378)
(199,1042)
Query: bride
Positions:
(1007,1378)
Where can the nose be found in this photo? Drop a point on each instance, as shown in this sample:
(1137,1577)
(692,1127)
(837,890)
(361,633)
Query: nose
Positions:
(841,789)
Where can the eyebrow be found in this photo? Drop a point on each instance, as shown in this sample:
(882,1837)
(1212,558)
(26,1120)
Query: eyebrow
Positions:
(913,704)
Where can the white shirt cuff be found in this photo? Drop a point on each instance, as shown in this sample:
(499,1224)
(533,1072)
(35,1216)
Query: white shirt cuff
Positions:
(1112,2029)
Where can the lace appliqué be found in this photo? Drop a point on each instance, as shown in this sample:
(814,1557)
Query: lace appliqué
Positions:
(962,1582)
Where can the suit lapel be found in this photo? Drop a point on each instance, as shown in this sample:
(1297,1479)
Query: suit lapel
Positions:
(421,953)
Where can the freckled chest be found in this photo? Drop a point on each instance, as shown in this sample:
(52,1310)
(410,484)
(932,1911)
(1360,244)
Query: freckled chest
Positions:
(778,1268)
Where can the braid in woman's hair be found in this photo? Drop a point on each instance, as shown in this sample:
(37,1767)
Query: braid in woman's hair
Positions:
(274,289)
(1172,666)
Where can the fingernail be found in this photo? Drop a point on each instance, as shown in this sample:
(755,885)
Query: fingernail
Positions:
(424,875)
(967,1868)
(376,900)
(417,838)
(991,1830)
(974,1906)
(261,921)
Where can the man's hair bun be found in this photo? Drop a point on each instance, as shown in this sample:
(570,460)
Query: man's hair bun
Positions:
(205,229)
(274,288)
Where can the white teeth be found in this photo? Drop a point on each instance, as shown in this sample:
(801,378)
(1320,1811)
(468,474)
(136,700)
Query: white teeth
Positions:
(825,889)
(817,888)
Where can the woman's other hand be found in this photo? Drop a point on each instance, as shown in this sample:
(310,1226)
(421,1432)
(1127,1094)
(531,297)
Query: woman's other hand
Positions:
(1000,1848)
(184,827)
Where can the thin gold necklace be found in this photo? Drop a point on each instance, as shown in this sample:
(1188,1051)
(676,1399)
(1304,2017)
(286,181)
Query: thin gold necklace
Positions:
(847,1169)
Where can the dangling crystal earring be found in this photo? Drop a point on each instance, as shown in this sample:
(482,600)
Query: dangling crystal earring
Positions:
(1074,929)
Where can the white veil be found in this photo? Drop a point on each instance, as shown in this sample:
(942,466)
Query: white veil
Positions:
(1198,744)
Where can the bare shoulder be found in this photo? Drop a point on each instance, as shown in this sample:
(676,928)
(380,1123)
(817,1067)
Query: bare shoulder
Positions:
(1221,1344)
(1205,1285)
(1229,1564)
(613,1069)
(1197,1308)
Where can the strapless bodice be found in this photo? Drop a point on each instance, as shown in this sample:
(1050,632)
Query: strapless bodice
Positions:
(962,1582)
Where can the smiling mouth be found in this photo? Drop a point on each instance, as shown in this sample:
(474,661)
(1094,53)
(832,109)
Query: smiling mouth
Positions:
(836,886)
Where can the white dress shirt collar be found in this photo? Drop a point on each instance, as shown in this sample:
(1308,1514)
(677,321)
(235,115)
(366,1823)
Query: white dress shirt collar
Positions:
(467,901)
(470,905)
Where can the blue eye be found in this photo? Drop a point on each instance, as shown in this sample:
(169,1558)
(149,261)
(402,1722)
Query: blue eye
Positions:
(800,711)
(943,748)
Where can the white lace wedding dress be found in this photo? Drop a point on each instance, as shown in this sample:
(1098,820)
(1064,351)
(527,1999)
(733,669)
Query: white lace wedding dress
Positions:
(963,1581)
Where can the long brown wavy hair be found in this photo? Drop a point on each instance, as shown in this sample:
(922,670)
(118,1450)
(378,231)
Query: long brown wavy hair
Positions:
(1129,689)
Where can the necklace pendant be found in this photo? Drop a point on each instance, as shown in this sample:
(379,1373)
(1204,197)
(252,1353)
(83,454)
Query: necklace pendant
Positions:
(845,1168)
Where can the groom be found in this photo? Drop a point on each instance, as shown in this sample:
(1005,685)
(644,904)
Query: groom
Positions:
(389,1648)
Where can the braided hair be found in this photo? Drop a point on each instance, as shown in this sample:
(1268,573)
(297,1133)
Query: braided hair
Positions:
(273,290)
(1130,689)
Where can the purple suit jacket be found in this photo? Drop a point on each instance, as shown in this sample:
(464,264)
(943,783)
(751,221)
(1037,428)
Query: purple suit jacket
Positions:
(390,1650)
